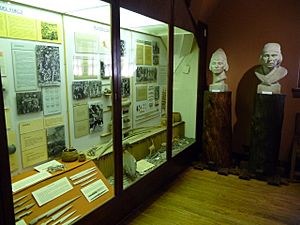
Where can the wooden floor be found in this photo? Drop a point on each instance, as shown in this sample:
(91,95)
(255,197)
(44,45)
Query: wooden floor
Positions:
(204,197)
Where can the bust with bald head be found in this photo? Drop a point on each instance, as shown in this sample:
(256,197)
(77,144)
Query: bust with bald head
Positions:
(270,71)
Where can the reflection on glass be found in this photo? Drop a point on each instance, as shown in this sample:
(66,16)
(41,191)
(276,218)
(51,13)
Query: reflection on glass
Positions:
(144,91)
(58,107)
(185,76)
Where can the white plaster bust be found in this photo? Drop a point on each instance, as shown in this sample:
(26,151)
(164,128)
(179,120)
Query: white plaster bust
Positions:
(270,71)
(218,66)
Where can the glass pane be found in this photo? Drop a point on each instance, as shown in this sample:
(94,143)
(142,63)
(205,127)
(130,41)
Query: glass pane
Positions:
(144,89)
(56,72)
(185,72)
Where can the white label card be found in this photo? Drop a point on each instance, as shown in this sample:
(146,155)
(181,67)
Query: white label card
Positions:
(52,191)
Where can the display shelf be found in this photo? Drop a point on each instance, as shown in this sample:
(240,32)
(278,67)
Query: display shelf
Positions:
(138,145)
(105,134)
(106,110)
(71,169)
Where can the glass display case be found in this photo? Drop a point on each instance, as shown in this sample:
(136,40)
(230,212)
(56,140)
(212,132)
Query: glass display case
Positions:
(144,59)
(79,130)
(185,80)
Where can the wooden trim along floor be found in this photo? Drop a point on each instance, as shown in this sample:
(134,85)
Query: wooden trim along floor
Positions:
(204,197)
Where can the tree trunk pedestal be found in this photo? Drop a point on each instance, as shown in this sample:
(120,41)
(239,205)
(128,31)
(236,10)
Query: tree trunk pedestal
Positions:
(217,131)
(266,127)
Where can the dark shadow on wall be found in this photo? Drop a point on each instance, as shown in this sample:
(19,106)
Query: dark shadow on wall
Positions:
(245,97)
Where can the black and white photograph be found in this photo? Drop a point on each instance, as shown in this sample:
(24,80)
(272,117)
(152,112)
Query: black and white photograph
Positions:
(56,141)
(48,65)
(29,102)
(122,48)
(102,70)
(155,60)
(95,88)
(95,117)
(105,68)
(49,31)
(80,90)
(125,88)
(146,74)
(155,47)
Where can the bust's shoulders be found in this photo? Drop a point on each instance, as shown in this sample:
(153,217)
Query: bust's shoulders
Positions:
(281,70)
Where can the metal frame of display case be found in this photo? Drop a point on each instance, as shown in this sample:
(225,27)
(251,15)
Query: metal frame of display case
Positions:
(170,82)
(125,200)
(117,99)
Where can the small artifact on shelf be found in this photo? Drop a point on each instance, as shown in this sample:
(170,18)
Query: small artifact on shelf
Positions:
(21,203)
(81,157)
(107,92)
(53,169)
(64,218)
(152,147)
(126,120)
(11,149)
(71,221)
(69,155)
(176,117)
(57,215)
(126,102)
(80,181)
(163,121)
(20,198)
(82,173)
(53,210)
(24,208)
(129,164)
(17,218)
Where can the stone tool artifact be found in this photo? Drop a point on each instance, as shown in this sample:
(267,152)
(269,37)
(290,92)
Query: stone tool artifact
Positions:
(52,211)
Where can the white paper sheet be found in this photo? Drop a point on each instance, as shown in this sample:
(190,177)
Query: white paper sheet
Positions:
(52,191)
(24,63)
(143,166)
(28,181)
(94,190)
(51,100)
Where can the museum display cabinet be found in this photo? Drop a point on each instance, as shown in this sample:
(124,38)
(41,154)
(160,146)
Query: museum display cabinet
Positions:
(99,105)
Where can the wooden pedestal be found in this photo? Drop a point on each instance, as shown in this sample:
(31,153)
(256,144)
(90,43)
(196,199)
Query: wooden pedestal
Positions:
(266,133)
(217,131)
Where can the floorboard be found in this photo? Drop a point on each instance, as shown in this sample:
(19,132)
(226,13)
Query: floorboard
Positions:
(204,197)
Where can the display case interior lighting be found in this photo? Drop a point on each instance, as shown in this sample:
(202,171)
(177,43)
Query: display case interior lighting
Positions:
(131,19)
(64,6)
(138,22)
